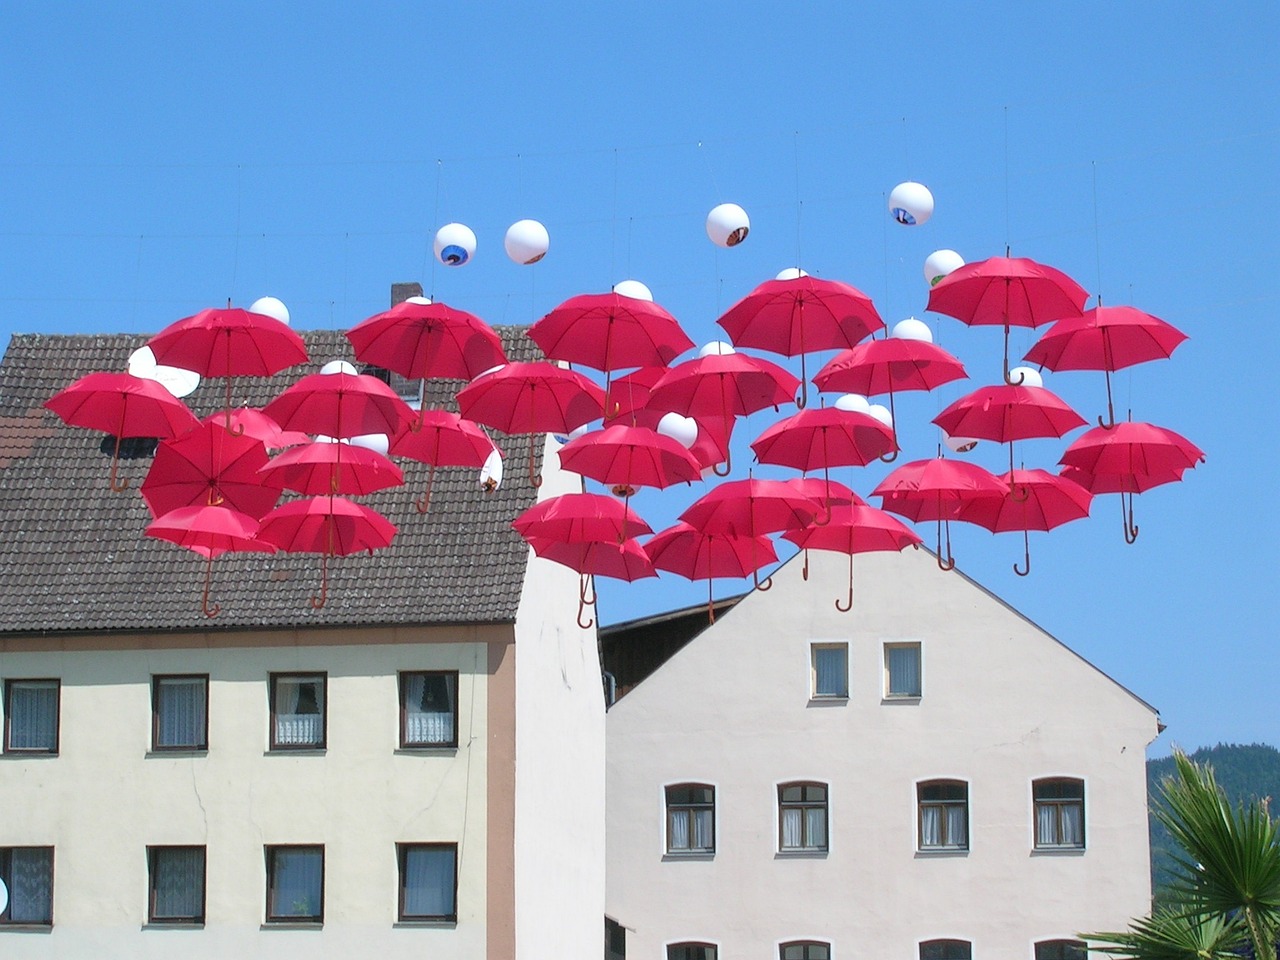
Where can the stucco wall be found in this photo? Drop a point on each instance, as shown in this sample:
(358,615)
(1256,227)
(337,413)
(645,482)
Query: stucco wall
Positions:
(104,798)
(1003,703)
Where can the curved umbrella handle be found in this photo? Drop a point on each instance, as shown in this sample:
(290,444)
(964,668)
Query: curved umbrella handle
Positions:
(535,478)
(950,562)
(1026,547)
(423,503)
(849,603)
(318,602)
(210,610)
(582,606)
(761,585)
(122,485)
(1130,528)
(804,571)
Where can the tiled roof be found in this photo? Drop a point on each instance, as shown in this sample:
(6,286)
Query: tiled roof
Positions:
(73,557)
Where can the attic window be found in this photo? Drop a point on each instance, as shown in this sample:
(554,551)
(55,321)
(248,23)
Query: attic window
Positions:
(131,448)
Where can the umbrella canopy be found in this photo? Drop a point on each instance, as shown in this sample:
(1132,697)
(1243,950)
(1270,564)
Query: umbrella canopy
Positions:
(751,508)
(889,366)
(209,531)
(710,444)
(229,343)
(254,423)
(124,406)
(793,317)
(608,331)
(441,439)
(342,468)
(631,392)
(580,517)
(853,528)
(1043,501)
(596,558)
(1007,292)
(694,554)
(825,437)
(342,405)
(627,457)
(210,466)
(427,340)
(1107,339)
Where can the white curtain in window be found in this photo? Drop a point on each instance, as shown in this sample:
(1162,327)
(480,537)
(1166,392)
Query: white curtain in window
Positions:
(33,716)
(1072,825)
(181,713)
(792,828)
(1046,825)
(829,671)
(179,882)
(292,725)
(428,882)
(930,826)
(904,671)
(956,826)
(428,709)
(30,885)
(816,818)
(297,883)
(702,830)
(678,830)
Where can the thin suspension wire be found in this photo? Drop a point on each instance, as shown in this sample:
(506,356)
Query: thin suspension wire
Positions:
(613,227)
(795,149)
(235,256)
(428,253)
(906,149)
(1097,237)
(715,185)
(1006,179)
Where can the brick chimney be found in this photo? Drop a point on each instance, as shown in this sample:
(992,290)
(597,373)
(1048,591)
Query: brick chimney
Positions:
(400,292)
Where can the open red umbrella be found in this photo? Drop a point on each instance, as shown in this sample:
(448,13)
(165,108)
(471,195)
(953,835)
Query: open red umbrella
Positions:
(853,528)
(609,331)
(254,423)
(1044,501)
(427,340)
(799,315)
(580,517)
(342,468)
(441,439)
(209,531)
(210,466)
(695,554)
(595,558)
(329,526)
(937,490)
(1107,339)
(1008,292)
(228,343)
(532,398)
(124,406)
(630,393)
(626,457)
(341,405)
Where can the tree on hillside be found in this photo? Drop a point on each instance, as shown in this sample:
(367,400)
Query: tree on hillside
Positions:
(1225,893)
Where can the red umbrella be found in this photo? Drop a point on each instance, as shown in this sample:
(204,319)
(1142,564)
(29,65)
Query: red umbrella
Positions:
(124,406)
(710,445)
(1107,339)
(1045,501)
(342,468)
(209,531)
(853,528)
(719,387)
(210,466)
(256,424)
(608,331)
(1008,292)
(579,518)
(532,398)
(830,493)
(795,316)
(596,558)
(228,343)
(937,489)
(889,366)
(329,526)
(628,457)
(441,439)
(426,340)
(695,554)
(341,405)
(630,393)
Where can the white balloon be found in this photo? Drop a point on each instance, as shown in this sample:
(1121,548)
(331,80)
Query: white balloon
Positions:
(728,225)
(682,429)
(716,348)
(959,444)
(271,307)
(911,203)
(179,382)
(881,413)
(141,362)
(491,472)
(421,301)
(1026,377)
(338,366)
(526,241)
(853,402)
(940,263)
(377,442)
(791,273)
(455,244)
(912,329)
(633,289)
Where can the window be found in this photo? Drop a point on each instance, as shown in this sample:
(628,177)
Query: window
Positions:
(946,950)
(804,950)
(1059,804)
(179,718)
(31,716)
(691,818)
(428,881)
(1061,950)
(830,670)
(802,816)
(27,873)
(295,884)
(428,710)
(615,940)
(691,951)
(297,711)
(176,885)
(944,815)
(902,670)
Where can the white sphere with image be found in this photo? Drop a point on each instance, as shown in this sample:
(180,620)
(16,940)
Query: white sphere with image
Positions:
(633,289)
(728,225)
(455,244)
(911,203)
(939,264)
(526,242)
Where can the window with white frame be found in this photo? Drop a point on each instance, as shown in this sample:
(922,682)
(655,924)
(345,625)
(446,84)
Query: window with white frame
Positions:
(297,711)
(944,814)
(31,716)
(691,818)
(804,950)
(1061,950)
(295,884)
(830,671)
(802,817)
(428,881)
(1059,806)
(177,877)
(902,670)
(946,950)
(428,709)
(691,951)
(27,873)
(179,714)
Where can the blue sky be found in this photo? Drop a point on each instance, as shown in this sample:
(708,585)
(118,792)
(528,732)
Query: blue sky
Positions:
(156,160)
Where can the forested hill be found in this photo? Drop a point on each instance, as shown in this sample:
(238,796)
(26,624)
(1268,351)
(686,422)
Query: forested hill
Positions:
(1245,772)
